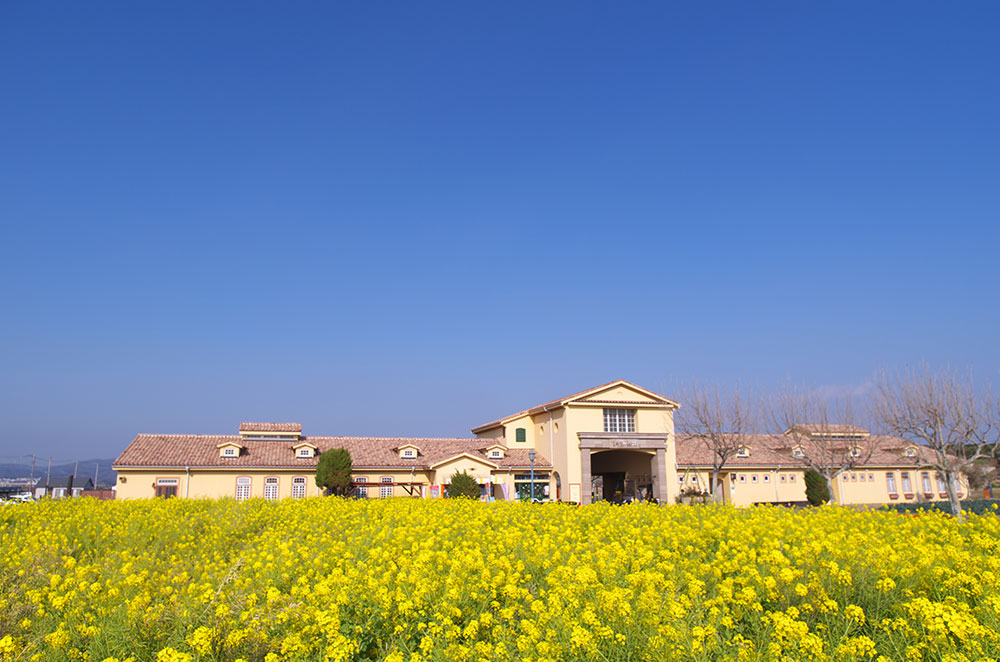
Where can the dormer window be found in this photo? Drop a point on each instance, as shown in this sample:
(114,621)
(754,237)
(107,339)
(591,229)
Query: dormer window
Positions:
(743,451)
(495,452)
(305,450)
(797,452)
(408,452)
(911,452)
(855,452)
(230,451)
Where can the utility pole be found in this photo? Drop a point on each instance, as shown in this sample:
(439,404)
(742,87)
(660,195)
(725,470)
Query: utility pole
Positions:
(32,472)
(48,476)
(96,467)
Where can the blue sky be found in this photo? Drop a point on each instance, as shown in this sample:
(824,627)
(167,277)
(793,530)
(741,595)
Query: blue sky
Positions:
(410,218)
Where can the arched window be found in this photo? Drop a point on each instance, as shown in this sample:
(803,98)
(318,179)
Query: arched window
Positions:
(243,484)
(271,488)
(298,487)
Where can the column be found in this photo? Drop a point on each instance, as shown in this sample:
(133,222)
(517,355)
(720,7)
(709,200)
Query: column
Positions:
(587,483)
(660,475)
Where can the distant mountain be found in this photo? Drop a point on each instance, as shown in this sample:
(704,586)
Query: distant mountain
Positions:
(86,470)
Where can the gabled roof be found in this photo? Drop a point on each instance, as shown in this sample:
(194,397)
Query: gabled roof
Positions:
(562,402)
(230,442)
(773,450)
(477,457)
(195,450)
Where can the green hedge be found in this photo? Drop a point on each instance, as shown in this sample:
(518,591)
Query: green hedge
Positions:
(977,506)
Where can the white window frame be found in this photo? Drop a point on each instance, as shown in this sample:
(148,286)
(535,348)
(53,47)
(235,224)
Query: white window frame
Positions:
(619,420)
(904,478)
(244,487)
(299,487)
(798,452)
(890,482)
(305,452)
(361,491)
(385,487)
(496,455)
(742,451)
(409,453)
(753,478)
(272,486)
(925,482)
(230,451)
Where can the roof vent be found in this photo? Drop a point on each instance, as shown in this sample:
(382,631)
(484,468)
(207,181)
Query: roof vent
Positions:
(271,431)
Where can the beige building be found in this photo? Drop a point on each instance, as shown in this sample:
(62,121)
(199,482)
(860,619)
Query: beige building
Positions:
(612,442)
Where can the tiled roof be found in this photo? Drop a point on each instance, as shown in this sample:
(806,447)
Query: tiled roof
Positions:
(191,450)
(270,427)
(775,449)
(814,428)
(561,401)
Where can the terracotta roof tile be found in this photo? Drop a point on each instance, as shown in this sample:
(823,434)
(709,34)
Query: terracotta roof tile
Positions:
(776,449)
(183,450)
(814,428)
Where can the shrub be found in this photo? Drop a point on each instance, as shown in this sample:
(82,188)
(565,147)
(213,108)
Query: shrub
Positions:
(817,491)
(333,471)
(463,486)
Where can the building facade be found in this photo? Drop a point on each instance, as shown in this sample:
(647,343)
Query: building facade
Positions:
(613,442)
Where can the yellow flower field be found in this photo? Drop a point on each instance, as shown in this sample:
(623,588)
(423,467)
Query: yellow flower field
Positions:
(408,580)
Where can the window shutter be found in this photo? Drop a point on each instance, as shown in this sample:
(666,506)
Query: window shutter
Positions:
(521,435)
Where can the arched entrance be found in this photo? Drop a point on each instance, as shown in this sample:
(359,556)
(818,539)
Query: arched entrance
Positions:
(635,454)
(622,475)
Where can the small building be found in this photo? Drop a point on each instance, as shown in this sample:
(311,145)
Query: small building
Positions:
(62,487)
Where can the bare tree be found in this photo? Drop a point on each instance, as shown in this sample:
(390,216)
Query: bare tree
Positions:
(720,421)
(822,432)
(942,412)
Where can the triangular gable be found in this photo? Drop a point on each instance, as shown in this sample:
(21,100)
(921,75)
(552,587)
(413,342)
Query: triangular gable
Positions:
(305,444)
(635,394)
(624,392)
(233,444)
(468,456)
(413,446)
(493,446)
